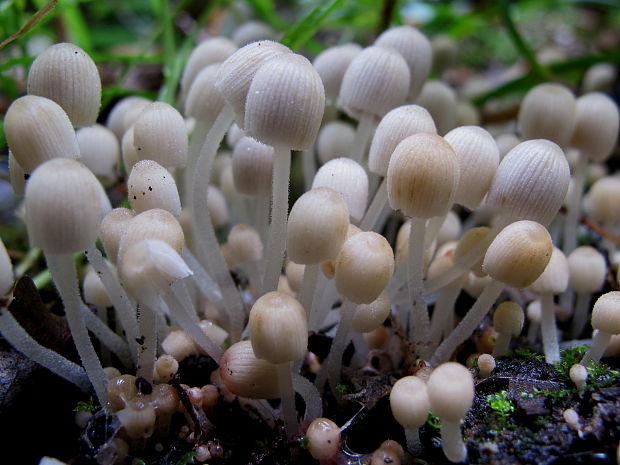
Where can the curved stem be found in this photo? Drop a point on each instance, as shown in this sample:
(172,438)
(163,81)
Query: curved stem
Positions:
(444,307)
(573,206)
(580,314)
(365,128)
(276,242)
(376,206)
(600,340)
(310,395)
(62,269)
(414,446)
(107,337)
(339,344)
(196,142)
(502,344)
(433,228)
(288,412)
(452,441)
(204,235)
(469,323)
(308,287)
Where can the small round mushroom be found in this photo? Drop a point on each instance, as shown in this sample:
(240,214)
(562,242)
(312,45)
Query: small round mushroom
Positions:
(508,322)
(409,402)
(323,438)
(606,322)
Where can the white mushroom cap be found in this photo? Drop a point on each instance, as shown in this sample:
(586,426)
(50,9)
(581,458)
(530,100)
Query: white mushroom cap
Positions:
(370,316)
(555,277)
(409,401)
(204,102)
(323,438)
(596,126)
(334,140)
(450,391)
(606,313)
(508,318)
(123,114)
(587,269)
(332,63)
(150,185)
(440,101)
(99,151)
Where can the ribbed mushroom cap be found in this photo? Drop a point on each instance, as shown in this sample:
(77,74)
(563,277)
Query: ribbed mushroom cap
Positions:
(587,269)
(119,119)
(348,178)
(129,153)
(63,203)
(285,103)
(364,267)
(208,52)
(17,176)
(151,224)
(555,277)
(596,126)
(37,129)
(506,142)
(246,375)
(323,438)
(409,402)
(252,167)
(376,81)
(251,31)
(99,151)
(478,157)
(238,70)
(334,140)
(234,135)
(508,318)
(530,182)
(440,101)
(204,102)
(149,267)
(604,200)
(422,176)
(370,316)
(278,328)
(329,266)
(415,49)
(218,208)
(606,313)
(450,391)
(519,254)
(150,185)
(66,74)
(245,244)
(548,112)
(396,125)
(159,134)
(317,226)
(332,63)
(112,228)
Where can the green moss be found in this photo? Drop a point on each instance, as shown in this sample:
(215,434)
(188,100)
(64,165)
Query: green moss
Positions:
(90,406)
(433,421)
(500,404)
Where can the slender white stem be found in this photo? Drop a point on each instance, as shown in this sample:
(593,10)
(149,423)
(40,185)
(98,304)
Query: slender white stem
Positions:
(549,329)
(182,316)
(580,314)
(444,307)
(204,235)
(361,348)
(195,144)
(573,206)
(419,323)
(452,441)
(414,446)
(308,287)
(339,344)
(323,301)
(263,210)
(15,334)
(365,129)
(180,291)
(376,206)
(600,340)
(464,263)
(288,412)
(433,227)
(62,269)
(106,336)
(253,271)
(276,242)
(207,287)
(532,332)
(502,344)
(311,397)
(308,167)
(147,352)
(469,323)
(126,310)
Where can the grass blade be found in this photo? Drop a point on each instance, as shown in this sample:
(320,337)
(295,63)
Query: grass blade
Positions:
(31,23)
(305,28)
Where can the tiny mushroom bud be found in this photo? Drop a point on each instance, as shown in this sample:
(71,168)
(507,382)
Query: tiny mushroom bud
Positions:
(99,151)
(334,140)
(508,322)
(252,167)
(605,322)
(123,114)
(486,365)
(409,402)
(166,367)
(331,64)
(323,438)
(66,74)
(440,101)
(578,375)
(251,31)
(596,127)
(451,394)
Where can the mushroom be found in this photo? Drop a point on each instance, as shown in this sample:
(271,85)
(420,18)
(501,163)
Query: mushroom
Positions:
(606,322)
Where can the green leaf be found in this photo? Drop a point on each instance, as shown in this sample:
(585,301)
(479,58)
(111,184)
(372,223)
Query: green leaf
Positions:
(76,26)
(31,23)
(305,28)
(188,458)
(265,9)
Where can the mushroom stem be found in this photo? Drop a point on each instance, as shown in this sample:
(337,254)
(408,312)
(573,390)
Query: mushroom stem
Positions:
(502,344)
(580,314)
(204,235)
(376,206)
(549,329)
(62,269)
(197,140)
(147,350)
(469,323)
(444,310)
(15,334)
(362,136)
(433,227)
(452,441)
(308,167)
(276,243)
(126,311)
(600,340)
(106,336)
(207,287)
(414,446)
(419,323)
(310,395)
(573,206)
(308,288)
(287,397)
